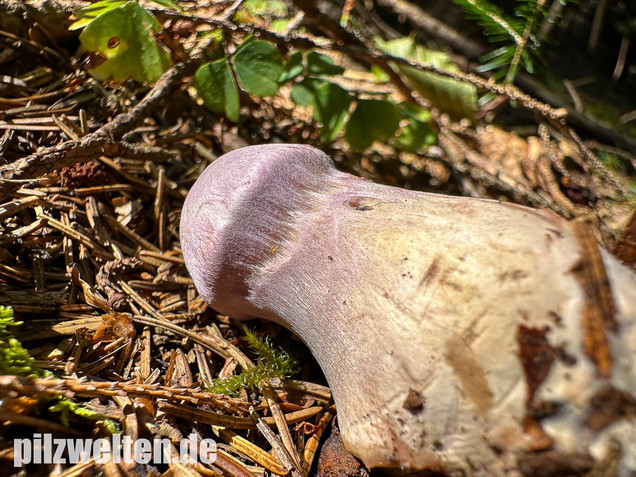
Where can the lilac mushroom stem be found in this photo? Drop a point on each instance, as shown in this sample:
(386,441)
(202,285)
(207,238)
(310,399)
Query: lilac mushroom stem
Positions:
(445,326)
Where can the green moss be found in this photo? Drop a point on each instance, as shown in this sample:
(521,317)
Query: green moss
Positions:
(14,358)
(271,364)
(65,406)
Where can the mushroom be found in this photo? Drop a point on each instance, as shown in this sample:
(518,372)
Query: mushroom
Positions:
(460,335)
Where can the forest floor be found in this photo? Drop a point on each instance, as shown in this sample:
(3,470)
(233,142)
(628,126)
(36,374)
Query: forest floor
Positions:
(93,175)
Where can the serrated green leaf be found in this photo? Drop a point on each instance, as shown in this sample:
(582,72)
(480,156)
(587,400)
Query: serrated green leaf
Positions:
(87,14)
(451,96)
(318,64)
(169,4)
(331,105)
(303,93)
(417,136)
(258,66)
(372,120)
(293,68)
(123,36)
(217,88)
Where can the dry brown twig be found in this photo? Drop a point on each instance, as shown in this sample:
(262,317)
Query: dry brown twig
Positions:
(104,141)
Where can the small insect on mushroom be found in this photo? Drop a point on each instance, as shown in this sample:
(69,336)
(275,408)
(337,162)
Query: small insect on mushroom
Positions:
(504,345)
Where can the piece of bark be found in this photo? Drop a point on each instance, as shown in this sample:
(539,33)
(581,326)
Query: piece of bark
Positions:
(336,461)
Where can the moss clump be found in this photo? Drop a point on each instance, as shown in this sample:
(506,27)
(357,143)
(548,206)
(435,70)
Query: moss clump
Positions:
(271,364)
(14,359)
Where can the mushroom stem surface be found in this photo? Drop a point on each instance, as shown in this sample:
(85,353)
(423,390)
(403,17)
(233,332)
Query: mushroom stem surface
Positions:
(460,335)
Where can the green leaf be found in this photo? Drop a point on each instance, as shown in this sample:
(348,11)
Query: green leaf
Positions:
(318,64)
(454,97)
(417,136)
(331,105)
(303,93)
(372,120)
(265,8)
(217,88)
(381,76)
(410,111)
(293,68)
(169,4)
(280,25)
(123,36)
(87,14)
(258,66)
